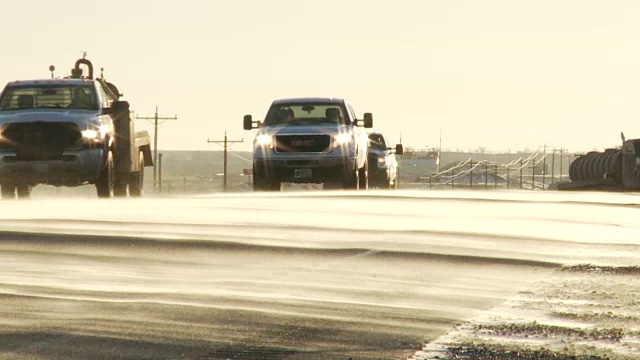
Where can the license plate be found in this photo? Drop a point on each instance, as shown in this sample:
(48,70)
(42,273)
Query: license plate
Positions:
(302,174)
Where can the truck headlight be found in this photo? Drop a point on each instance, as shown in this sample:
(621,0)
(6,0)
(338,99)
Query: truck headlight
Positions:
(264,140)
(341,139)
(89,134)
(93,138)
(100,133)
(382,162)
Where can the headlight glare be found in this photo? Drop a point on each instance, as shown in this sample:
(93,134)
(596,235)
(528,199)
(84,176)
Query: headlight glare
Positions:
(89,134)
(263,140)
(342,139)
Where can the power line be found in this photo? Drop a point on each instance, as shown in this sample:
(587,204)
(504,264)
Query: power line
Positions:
(155,119)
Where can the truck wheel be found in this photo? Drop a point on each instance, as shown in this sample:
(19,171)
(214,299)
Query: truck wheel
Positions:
(104,184)
(262,182)
(24,191)
(8,191)
(119,189)
(265,184)
(136,183)
(352,179)
(363,176)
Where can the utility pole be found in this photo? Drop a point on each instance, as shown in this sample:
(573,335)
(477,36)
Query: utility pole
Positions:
(155,119)
(225,143)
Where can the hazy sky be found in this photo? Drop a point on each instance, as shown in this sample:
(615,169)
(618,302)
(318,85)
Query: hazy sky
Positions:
(498,74)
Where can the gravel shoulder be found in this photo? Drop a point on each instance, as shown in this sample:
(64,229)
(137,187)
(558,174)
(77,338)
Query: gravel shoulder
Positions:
(580,312)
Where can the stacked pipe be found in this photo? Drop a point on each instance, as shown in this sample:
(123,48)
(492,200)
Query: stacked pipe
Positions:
(597,165)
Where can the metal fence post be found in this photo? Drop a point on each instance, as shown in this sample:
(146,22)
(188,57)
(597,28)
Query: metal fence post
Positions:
(486,176)
(452,185)
(561,156)
(521,166)
(533,175)
(544,168)
(553,165)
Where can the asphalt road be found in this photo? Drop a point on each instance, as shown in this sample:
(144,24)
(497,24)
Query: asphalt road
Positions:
(315,275)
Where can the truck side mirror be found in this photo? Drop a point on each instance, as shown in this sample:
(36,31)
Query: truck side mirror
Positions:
(368,120)
(248,122)
(399,149)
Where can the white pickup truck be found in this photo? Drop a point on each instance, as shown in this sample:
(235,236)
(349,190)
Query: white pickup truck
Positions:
(69,132)
(310,140)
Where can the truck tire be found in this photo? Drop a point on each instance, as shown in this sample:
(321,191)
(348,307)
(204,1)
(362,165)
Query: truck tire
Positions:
(120,189)
(352,179)
(386,183)
(8,191)
(24,191)
(104,184)
(265,184)
(136,183)
(363,176)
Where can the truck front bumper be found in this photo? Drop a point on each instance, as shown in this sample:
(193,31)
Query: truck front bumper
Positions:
(305,169)
(71,169)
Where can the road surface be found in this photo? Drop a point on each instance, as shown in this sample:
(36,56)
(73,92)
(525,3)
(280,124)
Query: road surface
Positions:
(298,275)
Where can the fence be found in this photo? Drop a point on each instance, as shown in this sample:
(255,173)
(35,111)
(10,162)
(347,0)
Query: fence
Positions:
(536,171)
(200,172)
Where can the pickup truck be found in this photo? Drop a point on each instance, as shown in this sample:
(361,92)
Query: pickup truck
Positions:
(310,140)
(383,165)
(69,132)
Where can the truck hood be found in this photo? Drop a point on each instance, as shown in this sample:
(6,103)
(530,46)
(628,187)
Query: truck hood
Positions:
(330,129)
(82,118)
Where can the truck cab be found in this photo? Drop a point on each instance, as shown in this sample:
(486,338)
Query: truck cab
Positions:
(310,140)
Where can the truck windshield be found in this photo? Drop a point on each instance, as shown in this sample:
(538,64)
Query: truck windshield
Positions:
(376,141)
(49,96)
(306,113)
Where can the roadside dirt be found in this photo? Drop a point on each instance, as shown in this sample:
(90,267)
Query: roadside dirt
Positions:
(583,312)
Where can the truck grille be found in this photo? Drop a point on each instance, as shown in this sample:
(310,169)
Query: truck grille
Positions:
(39,140)
(303,143)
